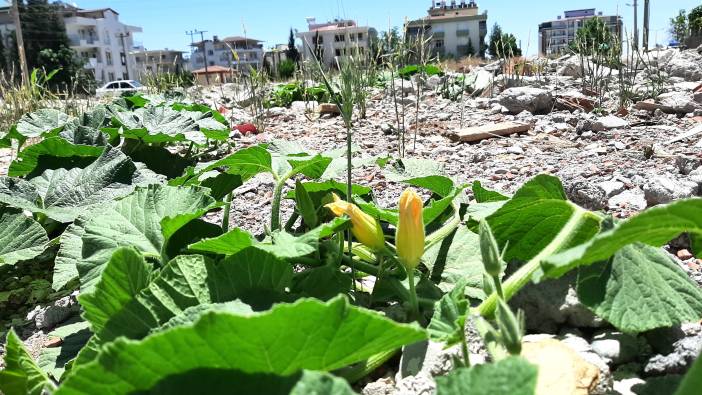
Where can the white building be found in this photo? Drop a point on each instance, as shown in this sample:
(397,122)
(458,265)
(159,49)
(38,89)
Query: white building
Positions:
(97,36)
(555,36)
(158,61)
(238,53)
(103,41)
(457,29)
(335,39)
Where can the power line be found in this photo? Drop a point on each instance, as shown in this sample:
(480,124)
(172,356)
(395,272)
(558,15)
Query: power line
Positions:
(204,49)
(20,43)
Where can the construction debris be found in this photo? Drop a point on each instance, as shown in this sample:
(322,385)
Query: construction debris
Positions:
(477,133)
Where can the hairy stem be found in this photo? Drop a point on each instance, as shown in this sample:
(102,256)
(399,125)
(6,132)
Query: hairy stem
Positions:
(412,295)
(227,209)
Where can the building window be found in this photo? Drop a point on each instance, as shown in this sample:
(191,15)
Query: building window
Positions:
(360,36)
(111,76)
(338,52)
(211,63)
(125,76)
(123,58)
(439,43)
(108,58)
(210,52)
(340,38)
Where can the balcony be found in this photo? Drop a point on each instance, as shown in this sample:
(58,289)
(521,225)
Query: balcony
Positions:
(84,42)
(462,33)
(438,34)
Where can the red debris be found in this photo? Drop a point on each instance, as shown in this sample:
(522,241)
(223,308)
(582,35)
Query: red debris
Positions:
(247,128)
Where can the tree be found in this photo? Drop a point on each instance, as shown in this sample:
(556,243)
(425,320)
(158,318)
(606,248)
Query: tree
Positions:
(495,38)
(71,73)
(595,39)
(695,20)
(3,55)
(292,53)
(679,28)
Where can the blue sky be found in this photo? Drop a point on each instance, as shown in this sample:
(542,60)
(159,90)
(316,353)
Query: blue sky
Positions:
(166,21)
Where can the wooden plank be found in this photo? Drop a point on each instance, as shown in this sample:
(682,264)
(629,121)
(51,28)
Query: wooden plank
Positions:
(483,132)
(692,132)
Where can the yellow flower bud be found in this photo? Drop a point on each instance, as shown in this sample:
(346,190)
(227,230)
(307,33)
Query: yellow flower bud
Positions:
(409,238)
(365,228)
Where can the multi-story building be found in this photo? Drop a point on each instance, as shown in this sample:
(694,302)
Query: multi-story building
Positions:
(333,40)
(555,36)
(238,53)
(457,29)
(275,56)
(95,35)
(158,61)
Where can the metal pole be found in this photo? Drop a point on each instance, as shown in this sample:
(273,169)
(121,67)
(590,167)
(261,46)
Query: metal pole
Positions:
(20,43)
(646,23)
(126,54)
(636,25)
(204,53)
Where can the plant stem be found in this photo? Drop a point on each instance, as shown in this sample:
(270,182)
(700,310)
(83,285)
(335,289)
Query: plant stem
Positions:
(412,295)
(275,204)
(443,232)
(498,287)
(227,209)
(362,370)
(464,349)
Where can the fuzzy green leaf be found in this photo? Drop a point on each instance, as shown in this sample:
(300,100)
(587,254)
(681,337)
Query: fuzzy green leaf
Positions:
(21,375)
(655,227)
(640,289)
(510,376)
(21,238)
(283,341)
(457,260)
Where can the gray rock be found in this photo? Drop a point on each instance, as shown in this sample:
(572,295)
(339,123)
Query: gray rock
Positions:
(534,100)
(662,190)
(611,188)
(478,80)
(302,106)
(443,116)
(427,357)
(686,164)
(696,176)
(47,317)
(615,347)
(684,353)
(626,386)
(383,386)
(421,384)
(677,102)
(433,82)
(589,196)
(633,199)
(698,97)
(609,122)
(685,64)
(552,304)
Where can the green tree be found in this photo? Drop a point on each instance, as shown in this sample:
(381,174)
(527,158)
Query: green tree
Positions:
(292,53)
(71,73)
(495,38)
(695,20)
(595,39)
(679,28)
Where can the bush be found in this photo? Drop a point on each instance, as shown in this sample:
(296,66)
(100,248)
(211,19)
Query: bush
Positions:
(430,70)
(286,69)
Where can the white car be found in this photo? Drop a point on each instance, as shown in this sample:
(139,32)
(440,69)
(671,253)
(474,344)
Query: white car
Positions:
(116,88)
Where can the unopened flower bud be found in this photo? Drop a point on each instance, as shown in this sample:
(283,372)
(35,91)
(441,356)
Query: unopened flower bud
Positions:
(409,237)
(365,228)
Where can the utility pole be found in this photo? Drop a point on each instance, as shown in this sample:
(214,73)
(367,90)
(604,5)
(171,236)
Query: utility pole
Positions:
(204,49)
(646,23)
(636,25)
(20,42)
(124,49)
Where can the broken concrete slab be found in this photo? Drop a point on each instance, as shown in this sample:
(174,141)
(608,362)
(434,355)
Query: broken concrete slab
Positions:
(329,108)
(609,122)
(483,132)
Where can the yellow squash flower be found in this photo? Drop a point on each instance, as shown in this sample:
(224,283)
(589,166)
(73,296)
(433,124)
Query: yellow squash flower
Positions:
(365,228)
(409,238)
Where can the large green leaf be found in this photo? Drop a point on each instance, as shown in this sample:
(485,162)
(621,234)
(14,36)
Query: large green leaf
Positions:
(539,220)
(145,220)
(692,382)
(483,195)
(423,173)
(53,153)
(655,227)
(42,123)
(283,341)
(253,276)
(158,124)
(227,244)
(510,376)
(21,375)
(457,260)
(125,275)
(21,238)
(70,252)
(246,162)
(63,195)
(640,289)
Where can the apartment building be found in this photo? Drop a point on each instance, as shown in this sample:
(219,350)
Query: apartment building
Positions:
(275,56)
(555,36)
(97,36)
(457,28)
(335,39)
(158,61)
(238,53)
